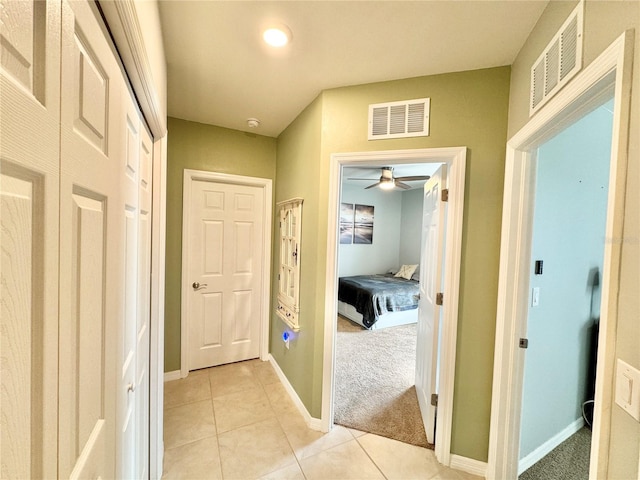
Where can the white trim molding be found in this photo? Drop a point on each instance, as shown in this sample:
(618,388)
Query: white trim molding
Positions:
(608,75)
(124,25)
(156,351)
(173,375)
(266,185)
(455,158)
(469,465)
(540,452)
(312,422)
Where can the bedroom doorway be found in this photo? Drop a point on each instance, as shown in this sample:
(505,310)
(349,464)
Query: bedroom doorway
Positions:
(384,398)
(455,161)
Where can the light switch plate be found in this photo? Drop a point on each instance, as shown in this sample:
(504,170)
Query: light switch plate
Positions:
(628,388)
(535,297)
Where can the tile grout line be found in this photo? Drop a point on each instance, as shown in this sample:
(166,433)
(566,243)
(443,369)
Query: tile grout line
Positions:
(285,433)
(369,456)
(216,427)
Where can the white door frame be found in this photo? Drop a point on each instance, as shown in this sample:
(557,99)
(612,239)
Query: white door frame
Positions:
(265,185)
(455,158)
(610,72)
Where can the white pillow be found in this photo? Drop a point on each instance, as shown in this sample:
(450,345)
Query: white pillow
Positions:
(416,275)
(406,271)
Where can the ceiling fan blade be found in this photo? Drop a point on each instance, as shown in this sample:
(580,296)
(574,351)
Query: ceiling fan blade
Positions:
(404,186)
(371,186)
(367,179)
(413,178)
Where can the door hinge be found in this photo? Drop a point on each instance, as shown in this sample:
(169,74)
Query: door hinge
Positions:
(439,298)
(523,343)
(445,195)
(434,399)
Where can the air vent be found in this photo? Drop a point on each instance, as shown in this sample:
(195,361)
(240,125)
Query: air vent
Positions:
(559,62)
(409,118)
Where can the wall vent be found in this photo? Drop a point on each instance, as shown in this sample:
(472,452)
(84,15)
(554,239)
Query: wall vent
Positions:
(559,62)
(409,118)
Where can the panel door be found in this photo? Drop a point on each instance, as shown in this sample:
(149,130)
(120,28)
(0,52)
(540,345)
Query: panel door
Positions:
(93,224)
(129,173)
(142,388)
(29,176)
(433,220)
(225,257)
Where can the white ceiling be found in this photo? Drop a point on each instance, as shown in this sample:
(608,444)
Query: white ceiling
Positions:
(220,72)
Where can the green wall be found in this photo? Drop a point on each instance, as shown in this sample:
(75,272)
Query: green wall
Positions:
(603,23)
(467,109)
(197,146)
(298,167)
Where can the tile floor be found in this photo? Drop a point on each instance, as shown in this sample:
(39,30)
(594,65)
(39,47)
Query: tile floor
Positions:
(237,422)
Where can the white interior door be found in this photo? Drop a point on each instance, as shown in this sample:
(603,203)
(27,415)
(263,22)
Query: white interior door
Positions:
(91,246)
(104,259)
(29,206)
(133,393)
(75,214)
(433,220)
(142,389)
(128,388)
(224,272)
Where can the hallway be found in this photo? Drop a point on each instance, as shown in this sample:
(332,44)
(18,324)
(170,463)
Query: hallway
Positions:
(216,418)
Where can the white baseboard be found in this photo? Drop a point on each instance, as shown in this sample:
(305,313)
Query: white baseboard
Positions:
(313,423)
(175,375)
(549,445)
(469,465)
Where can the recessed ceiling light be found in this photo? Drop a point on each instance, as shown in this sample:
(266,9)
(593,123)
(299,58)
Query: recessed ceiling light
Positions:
(277,36)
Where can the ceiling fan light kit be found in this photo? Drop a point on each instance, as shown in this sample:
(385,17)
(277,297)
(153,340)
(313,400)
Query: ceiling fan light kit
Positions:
(388,182)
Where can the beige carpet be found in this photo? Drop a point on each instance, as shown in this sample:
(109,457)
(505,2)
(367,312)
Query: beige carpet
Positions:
(374,382)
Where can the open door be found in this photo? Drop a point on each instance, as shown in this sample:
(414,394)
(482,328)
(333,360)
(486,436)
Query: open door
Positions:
(433,220)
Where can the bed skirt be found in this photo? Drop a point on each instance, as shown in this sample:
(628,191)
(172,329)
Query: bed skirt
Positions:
(391,319)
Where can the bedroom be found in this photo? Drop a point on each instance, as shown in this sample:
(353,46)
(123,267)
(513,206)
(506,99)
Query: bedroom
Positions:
(380,398)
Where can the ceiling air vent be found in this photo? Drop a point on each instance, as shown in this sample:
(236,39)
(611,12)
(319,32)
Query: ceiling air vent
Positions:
(409,118)
(559,62)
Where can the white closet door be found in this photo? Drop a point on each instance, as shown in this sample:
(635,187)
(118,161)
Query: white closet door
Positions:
(29,150)
(92,246)
(128,173)
(133,393)
(144,305)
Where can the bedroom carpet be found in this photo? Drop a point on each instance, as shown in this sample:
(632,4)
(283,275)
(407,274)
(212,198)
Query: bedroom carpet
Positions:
(374,382)
(568,461)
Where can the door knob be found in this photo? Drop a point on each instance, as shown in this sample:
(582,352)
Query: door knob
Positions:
(197,285)
(131,388)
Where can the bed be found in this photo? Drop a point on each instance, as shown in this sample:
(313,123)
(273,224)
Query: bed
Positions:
(378,301)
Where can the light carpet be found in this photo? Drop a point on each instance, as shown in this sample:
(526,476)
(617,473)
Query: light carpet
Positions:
(374,382)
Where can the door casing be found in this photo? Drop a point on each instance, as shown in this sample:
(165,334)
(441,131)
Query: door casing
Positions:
(611,71)
(266,185)
(455,159)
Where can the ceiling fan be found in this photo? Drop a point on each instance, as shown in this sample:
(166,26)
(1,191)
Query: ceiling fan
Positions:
(388,181)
